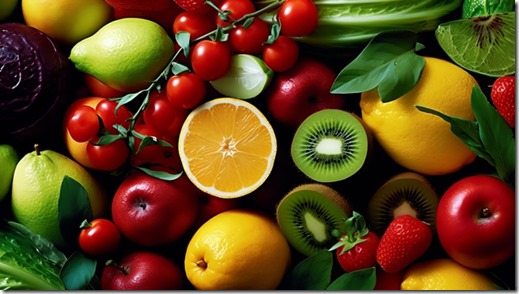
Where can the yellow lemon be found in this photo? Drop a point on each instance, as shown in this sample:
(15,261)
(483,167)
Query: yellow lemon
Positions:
(420,141)
(237,250)
(445,274)
(66,21)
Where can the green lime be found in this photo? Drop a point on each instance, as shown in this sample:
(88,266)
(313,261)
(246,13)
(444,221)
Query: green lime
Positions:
(484,45)
(247,77)
(8,160)
(475,8)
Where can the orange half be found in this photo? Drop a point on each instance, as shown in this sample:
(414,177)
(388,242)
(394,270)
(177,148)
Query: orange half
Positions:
(227,147)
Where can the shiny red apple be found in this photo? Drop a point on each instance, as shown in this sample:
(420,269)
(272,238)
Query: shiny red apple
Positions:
(475,221)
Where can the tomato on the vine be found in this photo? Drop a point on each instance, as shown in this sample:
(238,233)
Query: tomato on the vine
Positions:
(298,17)
(282,54)
(235,9)
(250,40)
(107,157)
(106,110)
(210,60)
(83,124)
(98,88)
(163,116)
(185,90)
(99,237)
(196,25)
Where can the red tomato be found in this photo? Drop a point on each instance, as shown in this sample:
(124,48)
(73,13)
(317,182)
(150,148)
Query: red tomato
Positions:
(108,157)
(162,116)
(210,60)
(185,90)
(282,54)
(98,88)
(250,40)
(106,110)
(298,17)
(83,123)
(196,25)
(99,237)
(236,9)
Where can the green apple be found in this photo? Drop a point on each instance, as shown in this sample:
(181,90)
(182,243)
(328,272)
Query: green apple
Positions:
(6,8)
(8,160)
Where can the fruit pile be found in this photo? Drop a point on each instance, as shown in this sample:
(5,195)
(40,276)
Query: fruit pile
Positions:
(257,145)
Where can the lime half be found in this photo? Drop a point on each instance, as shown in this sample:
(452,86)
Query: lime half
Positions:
(247,77)
(484,45)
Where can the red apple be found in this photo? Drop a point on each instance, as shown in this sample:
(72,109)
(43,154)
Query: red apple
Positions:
(302,90)
(162,12)
(211,206)
(149,211)
(142,270)
(475,221)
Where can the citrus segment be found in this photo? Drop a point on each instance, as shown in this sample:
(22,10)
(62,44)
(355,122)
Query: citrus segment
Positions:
(227,147)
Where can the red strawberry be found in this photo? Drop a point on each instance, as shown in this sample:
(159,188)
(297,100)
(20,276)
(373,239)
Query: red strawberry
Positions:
(357,246)
(503,98)
(405,240)
(197,6)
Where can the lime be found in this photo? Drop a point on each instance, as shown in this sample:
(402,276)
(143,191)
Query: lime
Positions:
(7,7)
(484,45)
(247,77)
(8,160)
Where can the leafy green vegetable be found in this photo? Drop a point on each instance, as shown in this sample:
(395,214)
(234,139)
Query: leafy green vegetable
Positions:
(388,62)
(364,279)
(476,8)
(27,260)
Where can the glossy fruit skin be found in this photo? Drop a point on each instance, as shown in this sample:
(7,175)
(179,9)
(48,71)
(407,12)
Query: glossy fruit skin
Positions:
(196,6)
(405,240)
(476,221)
(503,98)
(106,110)
(185,90)
(361,256)
(163,116)
(149,211)
(282,54)
(155,155)
(142,270)
(210,60)
(236,8)
(298,17)
(107,157)
(196,25)
(83,123)
(97,88)
(249,40)
(99,237)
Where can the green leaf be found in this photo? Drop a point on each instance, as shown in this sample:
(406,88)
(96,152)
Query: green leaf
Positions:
(73,208)
(178,68)
(364,279)
(312,273)
(388,61)
(275,31)
(107,139)
(163,175)
(183,40)
(78,271)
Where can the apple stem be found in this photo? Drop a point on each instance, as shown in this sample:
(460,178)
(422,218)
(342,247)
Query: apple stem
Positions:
(37,149)
(123,269)
(485,212)
(202,264)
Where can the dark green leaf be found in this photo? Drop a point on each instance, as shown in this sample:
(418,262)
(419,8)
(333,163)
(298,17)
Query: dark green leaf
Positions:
(120,129)
(166,176)
(312,273)
(364,279)
(78,271)
(178,68)
(275,31)
(127,99)
(407,71)
(107,139)
(73,207)
(183,40)
(248,22)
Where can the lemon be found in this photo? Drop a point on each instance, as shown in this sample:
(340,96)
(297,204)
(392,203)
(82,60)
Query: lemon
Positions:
(420,141)
(444,274)
(126,54)
(8,160)
(66,21)
(237,250)
(36,190)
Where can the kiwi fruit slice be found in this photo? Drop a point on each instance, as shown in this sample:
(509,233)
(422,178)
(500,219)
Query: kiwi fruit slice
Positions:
(330,145)
(309,213)
(404,193)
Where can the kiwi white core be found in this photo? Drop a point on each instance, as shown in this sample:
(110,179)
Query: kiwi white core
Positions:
(315,227)
(329,146)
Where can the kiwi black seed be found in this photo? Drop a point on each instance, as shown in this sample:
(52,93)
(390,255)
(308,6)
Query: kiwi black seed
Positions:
(330,145)
(404,193)
(309,213)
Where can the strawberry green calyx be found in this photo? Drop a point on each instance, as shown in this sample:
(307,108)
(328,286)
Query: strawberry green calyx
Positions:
(354,234)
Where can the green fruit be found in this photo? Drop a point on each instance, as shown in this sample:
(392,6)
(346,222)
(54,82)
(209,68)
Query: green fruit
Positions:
(127,54)
(8,160)
(36,190)
(475,8)
(7,7)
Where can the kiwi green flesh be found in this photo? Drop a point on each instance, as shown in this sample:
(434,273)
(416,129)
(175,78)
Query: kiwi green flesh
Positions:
(330,145)
(307,218)
(402,196)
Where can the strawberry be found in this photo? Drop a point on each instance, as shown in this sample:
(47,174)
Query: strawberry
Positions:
(405,240)
(197,6)
(503,98)
(357,245)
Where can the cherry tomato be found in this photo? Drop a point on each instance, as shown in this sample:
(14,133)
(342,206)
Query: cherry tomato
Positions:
(162,116)
(185,90)
(282,54)
(83,123)
(250,40)
(99,237)
(107,157)
(298,17)
(236,10)
(196,25)
(98,88)
(106,110)
(210,60)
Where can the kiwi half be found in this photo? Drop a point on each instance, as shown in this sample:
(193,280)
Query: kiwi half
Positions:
(405,193)
(330,145)
(308,214)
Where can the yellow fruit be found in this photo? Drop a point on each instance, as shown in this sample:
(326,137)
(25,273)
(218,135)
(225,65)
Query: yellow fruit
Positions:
(445,274)
(66,21)
(36,191)
(237,250)
(227,147)
(8,160)
(126,54)
(420,141)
